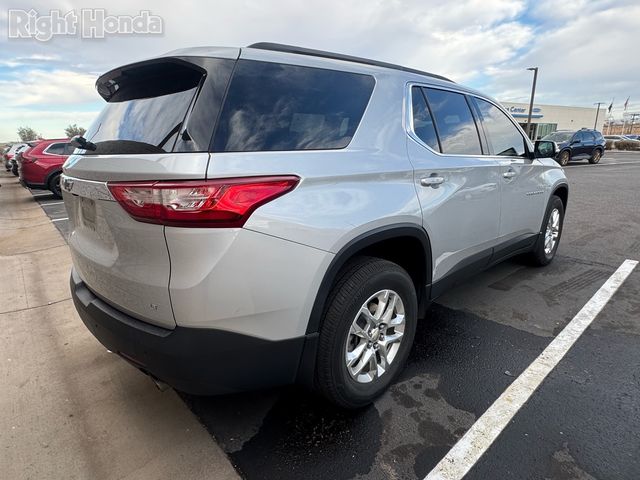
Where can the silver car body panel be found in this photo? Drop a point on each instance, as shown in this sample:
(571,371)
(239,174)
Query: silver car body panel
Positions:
(117,168)
(243,281)
(123,261)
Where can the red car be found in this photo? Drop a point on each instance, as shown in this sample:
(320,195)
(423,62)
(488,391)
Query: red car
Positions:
(40,166)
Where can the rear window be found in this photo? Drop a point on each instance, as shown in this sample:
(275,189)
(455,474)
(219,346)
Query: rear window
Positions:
(148,105)
(272,106)
(146,108)
(69,148)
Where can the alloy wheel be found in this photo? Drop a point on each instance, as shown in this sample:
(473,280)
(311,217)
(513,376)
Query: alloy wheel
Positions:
(552,232)
(375,335)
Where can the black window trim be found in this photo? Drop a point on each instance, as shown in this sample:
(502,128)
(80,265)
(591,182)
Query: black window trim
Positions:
(228,88)
(408,119)
(426,101)
(485,144)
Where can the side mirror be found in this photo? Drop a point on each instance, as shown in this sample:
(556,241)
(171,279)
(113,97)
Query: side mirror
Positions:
(545,149)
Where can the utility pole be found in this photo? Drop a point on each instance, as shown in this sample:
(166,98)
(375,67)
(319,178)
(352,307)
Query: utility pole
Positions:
(533,93)
(595,124)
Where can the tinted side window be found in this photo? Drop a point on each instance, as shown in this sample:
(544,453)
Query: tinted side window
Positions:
(422,122)
(456,126)
(272,106)
(56,149)
(68,149)
(504,137)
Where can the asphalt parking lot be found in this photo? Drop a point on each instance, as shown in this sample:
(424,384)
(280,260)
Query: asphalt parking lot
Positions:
(582,423)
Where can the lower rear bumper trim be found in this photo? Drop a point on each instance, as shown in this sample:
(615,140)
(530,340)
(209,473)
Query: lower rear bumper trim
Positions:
(193,360)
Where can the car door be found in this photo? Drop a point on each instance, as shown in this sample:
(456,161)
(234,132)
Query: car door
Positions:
(588,143)
(521,179)
(578,150)
(458,187)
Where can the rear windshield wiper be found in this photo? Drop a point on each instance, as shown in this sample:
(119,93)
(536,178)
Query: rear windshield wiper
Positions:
(81,142)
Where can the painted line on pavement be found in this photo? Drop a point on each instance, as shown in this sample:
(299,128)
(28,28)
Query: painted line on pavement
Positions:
(473,444)
(59,219)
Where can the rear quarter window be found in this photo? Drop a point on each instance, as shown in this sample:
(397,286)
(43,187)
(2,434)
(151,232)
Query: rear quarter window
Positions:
(55,149)
(271,106)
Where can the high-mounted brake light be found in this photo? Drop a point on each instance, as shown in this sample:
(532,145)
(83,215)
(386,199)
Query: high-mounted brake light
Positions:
(199,203)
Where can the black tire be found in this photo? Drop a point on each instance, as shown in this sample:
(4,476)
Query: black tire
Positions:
(54,185)
(14,168)
(564,157)
(595,156)
(538,256)
(360,280)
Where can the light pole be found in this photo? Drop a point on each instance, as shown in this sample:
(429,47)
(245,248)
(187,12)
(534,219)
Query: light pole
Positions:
(533,93)
(595,124)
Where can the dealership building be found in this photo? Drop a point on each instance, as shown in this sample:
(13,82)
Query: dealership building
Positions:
(549,118)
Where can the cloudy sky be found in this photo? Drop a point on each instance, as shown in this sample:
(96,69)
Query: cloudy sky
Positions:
(586,50)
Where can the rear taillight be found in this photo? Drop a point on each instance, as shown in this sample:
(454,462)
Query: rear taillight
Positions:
(199,203)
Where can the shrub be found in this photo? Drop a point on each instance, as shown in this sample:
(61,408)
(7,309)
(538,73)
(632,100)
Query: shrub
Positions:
(627,145)
(609,145)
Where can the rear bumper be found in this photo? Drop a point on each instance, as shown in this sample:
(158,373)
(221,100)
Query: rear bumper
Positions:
(193,360)
(32,176)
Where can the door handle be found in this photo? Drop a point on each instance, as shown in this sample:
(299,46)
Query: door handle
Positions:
(509,173)
(431,181)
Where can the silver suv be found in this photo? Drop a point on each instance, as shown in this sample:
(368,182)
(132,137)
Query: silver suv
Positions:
(252,217)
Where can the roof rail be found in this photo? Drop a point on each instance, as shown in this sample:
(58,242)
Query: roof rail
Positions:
(279,47)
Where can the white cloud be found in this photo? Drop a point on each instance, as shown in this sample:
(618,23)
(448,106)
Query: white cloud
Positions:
(582,61)
(47,87)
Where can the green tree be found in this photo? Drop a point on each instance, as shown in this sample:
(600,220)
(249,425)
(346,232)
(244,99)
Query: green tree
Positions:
(27,134)
(73,130)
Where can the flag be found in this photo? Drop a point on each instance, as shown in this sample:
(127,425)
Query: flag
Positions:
(610,106)
(626,103)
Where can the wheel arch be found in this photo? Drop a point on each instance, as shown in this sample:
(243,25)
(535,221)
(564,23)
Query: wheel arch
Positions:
(562,191)
(380,242)
(51,174)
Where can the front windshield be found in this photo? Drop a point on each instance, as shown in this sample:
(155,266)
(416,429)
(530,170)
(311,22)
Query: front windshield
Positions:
(559,137)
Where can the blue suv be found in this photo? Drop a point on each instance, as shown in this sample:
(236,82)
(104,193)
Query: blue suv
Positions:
(577,145)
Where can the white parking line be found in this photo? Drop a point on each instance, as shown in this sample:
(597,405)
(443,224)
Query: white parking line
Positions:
(468,450)
(59,219)
(52,203)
